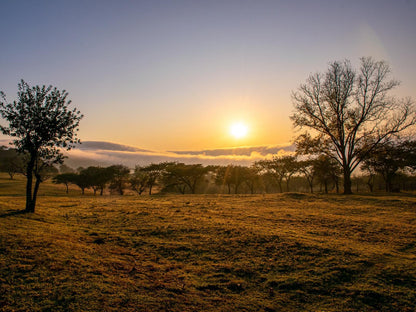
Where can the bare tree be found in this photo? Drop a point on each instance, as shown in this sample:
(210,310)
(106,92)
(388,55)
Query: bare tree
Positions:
(350,112)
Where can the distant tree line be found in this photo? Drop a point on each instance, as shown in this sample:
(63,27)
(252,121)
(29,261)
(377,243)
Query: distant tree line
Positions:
(390,167)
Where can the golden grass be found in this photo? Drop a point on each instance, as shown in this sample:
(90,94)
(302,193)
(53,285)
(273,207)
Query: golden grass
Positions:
(288,252)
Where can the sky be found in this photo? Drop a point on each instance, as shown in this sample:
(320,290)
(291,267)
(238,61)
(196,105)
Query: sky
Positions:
(174,75)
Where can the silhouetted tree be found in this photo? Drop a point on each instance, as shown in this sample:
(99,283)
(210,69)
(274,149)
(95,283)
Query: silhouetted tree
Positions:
(409,152)
(11,161)
(42,123)
(66,179)
(184,176)
(139,180)
(345,108)
(371,175)
(326,170)
(230,175)
(306,168)
(386,159)
(154,173)
(282,168)
(81,180)
(251,177)
(97,177)
(119,178)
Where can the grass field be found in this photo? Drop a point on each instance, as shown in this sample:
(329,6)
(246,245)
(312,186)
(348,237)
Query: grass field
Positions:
(282,252)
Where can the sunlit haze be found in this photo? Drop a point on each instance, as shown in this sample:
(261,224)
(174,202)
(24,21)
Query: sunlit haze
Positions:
(174,75)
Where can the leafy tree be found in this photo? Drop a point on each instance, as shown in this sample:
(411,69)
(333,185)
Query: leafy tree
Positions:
(409,152)
(350,112)
(139,180)
(306,168)
(230,175)
(371,175)
(119,178)
(326,170)
(251,177)
(184,176)
(386,160)
(96,177)
(282,168)
(154,173)
(81,180)
(66,179)
(10,161)
(42,123)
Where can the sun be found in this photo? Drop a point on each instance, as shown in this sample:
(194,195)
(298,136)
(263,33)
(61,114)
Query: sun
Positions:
(238,130)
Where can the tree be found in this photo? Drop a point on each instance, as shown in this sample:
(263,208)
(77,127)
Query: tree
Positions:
(97,177)
(282,168)
(326,170)
(42,123)
(350,112)
(81,180)
(184,176)
(386,160)
(306,168)
(154,172)
(119,178)
(251,177)
(230,175)
(10,161)
(139,180)
(66,179)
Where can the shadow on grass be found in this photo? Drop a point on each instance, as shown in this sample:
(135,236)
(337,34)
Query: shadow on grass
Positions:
(13,213)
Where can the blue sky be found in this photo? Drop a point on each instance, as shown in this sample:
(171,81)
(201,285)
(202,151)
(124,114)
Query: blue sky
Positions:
(173,75)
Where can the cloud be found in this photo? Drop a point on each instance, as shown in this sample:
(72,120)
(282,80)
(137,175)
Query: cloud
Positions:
(240,151)
(112,153)
(108,146)
(101,153)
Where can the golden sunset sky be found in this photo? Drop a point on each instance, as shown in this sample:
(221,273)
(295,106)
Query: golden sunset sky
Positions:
(175,75)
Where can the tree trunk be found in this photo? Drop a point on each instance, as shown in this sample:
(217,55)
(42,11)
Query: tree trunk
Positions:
(347,181)
(150,189)
(29,175)
(280,186)
(35,192)
(287,184)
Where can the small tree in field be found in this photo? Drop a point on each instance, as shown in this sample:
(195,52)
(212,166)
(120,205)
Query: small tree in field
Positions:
(42,124)
(350,112)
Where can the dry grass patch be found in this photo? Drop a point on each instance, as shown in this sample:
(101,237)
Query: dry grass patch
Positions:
(288,252)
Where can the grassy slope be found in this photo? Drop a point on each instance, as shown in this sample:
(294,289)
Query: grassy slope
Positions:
(287,252)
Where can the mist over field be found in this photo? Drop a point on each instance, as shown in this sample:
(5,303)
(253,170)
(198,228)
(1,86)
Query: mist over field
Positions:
(106,153)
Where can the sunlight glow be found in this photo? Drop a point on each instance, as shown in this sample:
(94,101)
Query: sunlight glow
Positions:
(238,130)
